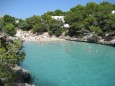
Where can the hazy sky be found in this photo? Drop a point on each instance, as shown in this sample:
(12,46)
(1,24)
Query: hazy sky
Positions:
(27,8)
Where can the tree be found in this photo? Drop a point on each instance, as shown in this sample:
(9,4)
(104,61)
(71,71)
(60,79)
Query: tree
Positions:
(1,24)
(92,8)
(24,25)
(106,7)
(8,19)
(55,27)
(33,20)
(50,13)
(9,57)
(96,29)
(59,13)
(10,29)
(39,28)
(46,18)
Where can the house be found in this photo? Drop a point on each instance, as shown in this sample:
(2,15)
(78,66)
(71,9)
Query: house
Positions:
(58,18)
(113,12)
(16,21)
(61,18)
(66,25)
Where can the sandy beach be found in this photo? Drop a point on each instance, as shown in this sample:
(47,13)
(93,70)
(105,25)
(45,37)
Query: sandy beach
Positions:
(28,36)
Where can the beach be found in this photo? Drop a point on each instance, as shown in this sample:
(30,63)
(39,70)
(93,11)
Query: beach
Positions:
(28,36)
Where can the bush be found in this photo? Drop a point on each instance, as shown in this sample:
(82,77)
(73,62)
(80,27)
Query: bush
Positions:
(39,28)
(24,25)
(10,29)
(96,29)
(1,24)
(58,32)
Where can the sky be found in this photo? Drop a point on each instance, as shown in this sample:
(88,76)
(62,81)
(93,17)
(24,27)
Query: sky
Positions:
(27,8)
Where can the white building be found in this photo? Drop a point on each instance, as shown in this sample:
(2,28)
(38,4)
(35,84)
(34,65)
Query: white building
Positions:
(113,12)
(62,19)
(58,18)
(66,25)
(16,21)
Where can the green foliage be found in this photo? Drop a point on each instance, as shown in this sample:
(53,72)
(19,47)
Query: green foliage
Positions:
(55,27)
(92,17)
(58,32)
(39,28)
(23,25)
(22,56)
(1,24)
(10,29)
(46,18)
(50,13)
(95,29)
(8,19)
(33,20)
(92,8)
(9,57)
(59,13)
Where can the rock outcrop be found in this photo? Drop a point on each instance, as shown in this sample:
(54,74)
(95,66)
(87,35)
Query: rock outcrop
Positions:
(23,75)
(93,39)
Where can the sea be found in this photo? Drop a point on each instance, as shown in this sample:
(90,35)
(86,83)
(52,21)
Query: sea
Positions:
(69,63)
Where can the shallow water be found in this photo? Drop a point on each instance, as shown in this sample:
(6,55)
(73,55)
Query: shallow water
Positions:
(68,63)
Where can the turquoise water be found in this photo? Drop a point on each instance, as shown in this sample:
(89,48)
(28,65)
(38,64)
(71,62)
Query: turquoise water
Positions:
(69,63)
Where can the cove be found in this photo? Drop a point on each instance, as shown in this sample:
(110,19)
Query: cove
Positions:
(69,63)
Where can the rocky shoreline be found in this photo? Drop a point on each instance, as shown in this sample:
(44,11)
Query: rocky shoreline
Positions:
(23,75)
(92,39)
(28,36)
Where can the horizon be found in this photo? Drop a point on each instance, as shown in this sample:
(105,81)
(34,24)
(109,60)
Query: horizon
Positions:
(25,9)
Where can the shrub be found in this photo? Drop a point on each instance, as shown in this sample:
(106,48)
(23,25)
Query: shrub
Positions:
(10,29)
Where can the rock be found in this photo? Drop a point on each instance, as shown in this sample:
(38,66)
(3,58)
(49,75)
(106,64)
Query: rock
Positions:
(112,42)
(67,38)
(23,75)
(93,39)
(22,84)
(73,39)
(26,75)
(2,81)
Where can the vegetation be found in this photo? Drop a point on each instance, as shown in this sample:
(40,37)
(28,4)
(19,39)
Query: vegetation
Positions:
(96,18)
(1,24)
(93,17)
(10,29)
(9,57)
(8,19)
(7,24)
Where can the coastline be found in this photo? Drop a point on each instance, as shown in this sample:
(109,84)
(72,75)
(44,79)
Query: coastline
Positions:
(23,76)
(93,40)
(28,36)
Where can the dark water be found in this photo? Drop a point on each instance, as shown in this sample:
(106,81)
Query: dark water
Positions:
(70,63)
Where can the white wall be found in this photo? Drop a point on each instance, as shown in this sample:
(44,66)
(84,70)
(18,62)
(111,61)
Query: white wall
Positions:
(62,19)
(66,25)
(113,12)
(58,18)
